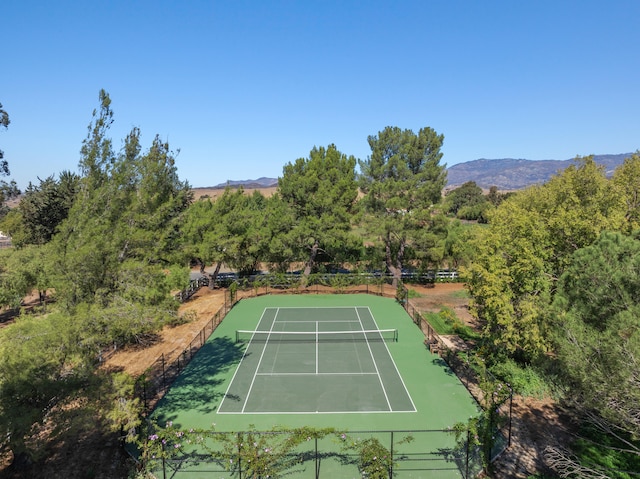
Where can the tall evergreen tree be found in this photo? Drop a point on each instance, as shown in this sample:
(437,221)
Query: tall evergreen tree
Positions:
(597,324)
(321,191)
(402,180)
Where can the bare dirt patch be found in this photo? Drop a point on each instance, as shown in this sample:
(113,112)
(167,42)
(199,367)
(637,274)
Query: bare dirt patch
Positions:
(171,341)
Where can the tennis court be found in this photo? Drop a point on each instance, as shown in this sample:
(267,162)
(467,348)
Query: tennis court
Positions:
(316,360)
(355,363)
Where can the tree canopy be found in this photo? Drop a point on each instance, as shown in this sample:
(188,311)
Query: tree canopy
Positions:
(321,192)
(597,328)
(401,181)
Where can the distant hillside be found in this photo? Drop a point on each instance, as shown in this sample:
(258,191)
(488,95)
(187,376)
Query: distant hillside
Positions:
(506,173)
(259,183)
(515,174)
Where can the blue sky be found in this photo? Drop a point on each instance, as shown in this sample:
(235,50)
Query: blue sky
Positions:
(243,87)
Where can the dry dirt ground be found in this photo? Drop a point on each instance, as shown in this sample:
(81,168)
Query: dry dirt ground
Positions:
(535,422)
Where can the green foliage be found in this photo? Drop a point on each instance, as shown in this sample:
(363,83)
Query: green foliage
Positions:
(44,207)
(112,265)
(123,408)
(597,331)
(232,230)
(23,270)
(321,193)
(414,294)
(40,365)
(525,249)
(121,231)
(402,180)
(524,380)
(466,202)
(401,293)
(626,180)
(256,454)
(482,431)
(442,322)
(7,190)
(607,452)
(374,460)
(447,322)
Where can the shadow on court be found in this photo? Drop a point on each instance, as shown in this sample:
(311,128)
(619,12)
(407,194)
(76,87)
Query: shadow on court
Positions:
(198,388)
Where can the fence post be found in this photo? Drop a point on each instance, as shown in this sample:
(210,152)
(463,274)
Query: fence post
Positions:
(164,378)
(466,474)
(391,455)
(317,463)
(239,457)
(510,417)
(164,464)
(144,393)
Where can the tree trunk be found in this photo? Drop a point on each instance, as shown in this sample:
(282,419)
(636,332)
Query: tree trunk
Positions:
(394,265)
(312,259)
(214,276)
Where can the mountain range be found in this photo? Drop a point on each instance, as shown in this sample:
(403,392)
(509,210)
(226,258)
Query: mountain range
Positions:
(505,173)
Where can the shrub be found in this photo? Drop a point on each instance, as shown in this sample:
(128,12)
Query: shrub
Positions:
(524,380)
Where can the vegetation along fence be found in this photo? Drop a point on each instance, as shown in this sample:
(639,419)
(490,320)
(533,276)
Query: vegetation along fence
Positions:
(315,454)
(152,385)
(470,376)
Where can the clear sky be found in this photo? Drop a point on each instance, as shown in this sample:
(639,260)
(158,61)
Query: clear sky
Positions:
(243,87)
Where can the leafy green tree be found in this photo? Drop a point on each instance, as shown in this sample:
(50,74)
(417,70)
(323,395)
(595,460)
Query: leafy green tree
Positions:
(401,180)
(226,231)
(35,354)
(527,246)
(44,207)
(468,196)
(597,329)
(22,271)
(321,191)
(626,180)
(279,220)
(7,190)
(11,223)
(122,232)
(508,282)
(577,205)
(457,249)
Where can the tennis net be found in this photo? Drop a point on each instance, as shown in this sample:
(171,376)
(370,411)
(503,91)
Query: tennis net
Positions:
(372,335)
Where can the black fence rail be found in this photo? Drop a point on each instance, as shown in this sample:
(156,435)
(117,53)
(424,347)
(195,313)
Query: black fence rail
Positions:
(194,286)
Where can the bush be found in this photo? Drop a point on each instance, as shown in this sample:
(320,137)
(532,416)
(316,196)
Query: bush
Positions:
(524,380)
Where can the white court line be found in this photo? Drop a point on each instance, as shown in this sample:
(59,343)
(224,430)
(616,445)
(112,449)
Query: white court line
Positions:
(391,356)
(317,347)
(319,412)
(374,363)
(264,348)
(316,307)
(317,374)
(237,368)
(329,321)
